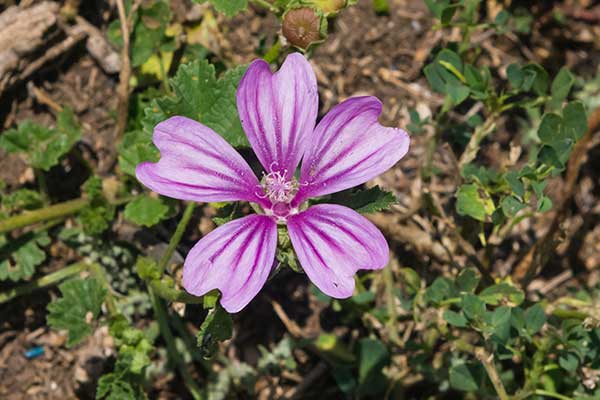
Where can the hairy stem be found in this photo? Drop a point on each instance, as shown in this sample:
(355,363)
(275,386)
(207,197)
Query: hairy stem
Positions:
(265,4)
(554,395)
(27,218)
(480,133)
(45,281)
(161,289)
(488,363)
(176,238)
(53,212)
(388,278)
(174,356)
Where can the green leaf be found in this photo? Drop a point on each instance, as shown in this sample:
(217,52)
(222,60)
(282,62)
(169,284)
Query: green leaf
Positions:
(561,86)
(474,202)
(463,377)
(364,201)
(535,318)
(442,288)
(146,211)
(77,307)
(502,293)
(22,199)
(373,356)
(511,206)
(550,129)
(200,96)
(229,7)
(574,121)
(515,75)
(467,280)
(501,322)
(19,257)
(43,147)
(217,326)
(135,148)
(473,307)
(568,361)
(456,319)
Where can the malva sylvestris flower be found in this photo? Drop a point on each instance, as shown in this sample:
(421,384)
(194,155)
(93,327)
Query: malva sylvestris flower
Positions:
(278,112)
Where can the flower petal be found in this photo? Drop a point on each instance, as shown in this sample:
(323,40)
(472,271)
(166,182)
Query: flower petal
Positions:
(332,242)
(197,164)
(278,111)
(235,258)
(350,147)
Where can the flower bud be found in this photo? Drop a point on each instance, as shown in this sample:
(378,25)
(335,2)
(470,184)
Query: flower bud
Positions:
(302,27)
(329,6)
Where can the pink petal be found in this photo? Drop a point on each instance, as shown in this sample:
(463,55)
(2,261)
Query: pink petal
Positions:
(350,147)
(197,164)
(332,242)
(278,111)
(235,258)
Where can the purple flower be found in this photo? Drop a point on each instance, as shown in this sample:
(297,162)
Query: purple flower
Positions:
(278,112)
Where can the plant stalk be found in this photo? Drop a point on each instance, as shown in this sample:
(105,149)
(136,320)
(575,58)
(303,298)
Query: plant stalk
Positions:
(45,281)
(27,218)
(174,356)
(176,238)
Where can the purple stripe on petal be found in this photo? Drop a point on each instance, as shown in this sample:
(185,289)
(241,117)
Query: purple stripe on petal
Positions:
(235,258)
(278,111)
(197,164)
(332,242)
(349,148)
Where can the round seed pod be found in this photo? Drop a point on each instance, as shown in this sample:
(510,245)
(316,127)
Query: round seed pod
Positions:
(302,27)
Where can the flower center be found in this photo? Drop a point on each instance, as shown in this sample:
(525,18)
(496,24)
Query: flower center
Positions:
(280,190)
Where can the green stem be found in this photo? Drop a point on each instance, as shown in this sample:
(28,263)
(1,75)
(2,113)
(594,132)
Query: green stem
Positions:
(273,53)
(161,289)
(490,367)
(569,314)
(388,278)
(176,238)
(45,281)
(27,218)
(167,334)
(56,211)
(265,4)
(547,393)
(481,132)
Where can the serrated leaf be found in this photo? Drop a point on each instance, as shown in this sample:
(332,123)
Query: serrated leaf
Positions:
(364,201)
(146,211)
(22,199)
(78,306)
(201,96)
(474,202)
(228,7)
(19,257)
(43,147)
(217,326)
(135,148)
